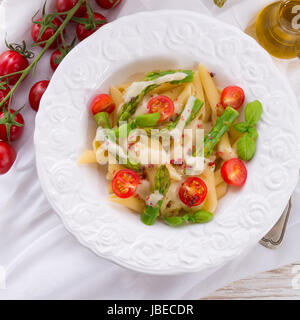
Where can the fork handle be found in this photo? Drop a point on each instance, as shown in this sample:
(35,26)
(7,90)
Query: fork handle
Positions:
(274,237)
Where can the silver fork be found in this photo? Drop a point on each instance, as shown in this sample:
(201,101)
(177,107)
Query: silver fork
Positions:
(274,237)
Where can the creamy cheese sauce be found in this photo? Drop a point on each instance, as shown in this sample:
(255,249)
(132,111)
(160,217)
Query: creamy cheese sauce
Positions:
(137,87)
(143,189)
(154,198)
(109,145)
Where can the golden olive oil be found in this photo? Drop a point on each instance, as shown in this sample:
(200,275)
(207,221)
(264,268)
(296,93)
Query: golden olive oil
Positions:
(277,29)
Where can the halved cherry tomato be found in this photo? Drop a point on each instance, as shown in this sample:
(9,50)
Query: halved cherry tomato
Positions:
(125,182)
(162,104)
(193,191)
(103,103)
(234,172)
(232,96)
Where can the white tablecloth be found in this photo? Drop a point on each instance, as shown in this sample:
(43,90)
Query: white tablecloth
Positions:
(42,260)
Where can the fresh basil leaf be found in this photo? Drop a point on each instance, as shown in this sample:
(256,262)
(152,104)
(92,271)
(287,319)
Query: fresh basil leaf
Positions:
(174,221)
(241,127)
(253,133)
(147,120)
(246,147)
(201,216)
(253,112)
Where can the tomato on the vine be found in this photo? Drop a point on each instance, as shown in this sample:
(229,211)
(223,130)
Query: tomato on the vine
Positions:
(7,157)
(232,96)
(13,121)
(102,103)
(47,34)
(85,30)
(162,104)
(108,4)
(36,93)
(4,91)
(66,5)
(11,62)
(234,172)
(193,191)
(125,182)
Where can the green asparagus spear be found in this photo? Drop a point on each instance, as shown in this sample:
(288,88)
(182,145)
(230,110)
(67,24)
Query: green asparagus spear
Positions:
(162,182)
(130,107)
(154,75)
(223,124)
(147,120)
(102,120)
(198,104)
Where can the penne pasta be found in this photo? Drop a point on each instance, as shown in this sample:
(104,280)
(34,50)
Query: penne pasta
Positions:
(163,166)
(132,203)
(211,201)
(88,156)
(221,190)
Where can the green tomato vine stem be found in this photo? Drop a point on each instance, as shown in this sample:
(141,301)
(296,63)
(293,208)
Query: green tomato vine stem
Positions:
(25,72)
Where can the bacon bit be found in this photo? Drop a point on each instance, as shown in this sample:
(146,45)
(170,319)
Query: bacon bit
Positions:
(176,114)
(211,164)
(147,198)
(136,196)
(212,74)
(151,204)
(199,125)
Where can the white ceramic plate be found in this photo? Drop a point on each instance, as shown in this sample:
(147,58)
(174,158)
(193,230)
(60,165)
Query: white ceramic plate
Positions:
(163,40)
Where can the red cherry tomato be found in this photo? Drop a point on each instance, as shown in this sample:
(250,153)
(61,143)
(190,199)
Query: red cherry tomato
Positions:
(36,93)
(234,172)
(193,191)
(15,131)
(163,105)
(47,34)
(3,93)
(81,30)
(102,103)
(7,157)
(10,62)
(66,5)
(125,182)
(232,96)
(108,4)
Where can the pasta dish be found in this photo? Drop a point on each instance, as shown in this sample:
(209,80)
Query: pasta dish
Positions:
(173,144)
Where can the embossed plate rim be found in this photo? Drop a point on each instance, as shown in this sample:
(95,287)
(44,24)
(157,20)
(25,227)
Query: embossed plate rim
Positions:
(137,259)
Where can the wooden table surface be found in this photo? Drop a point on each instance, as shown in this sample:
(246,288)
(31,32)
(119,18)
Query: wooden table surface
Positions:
(282,283)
